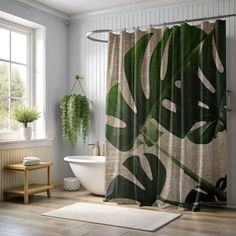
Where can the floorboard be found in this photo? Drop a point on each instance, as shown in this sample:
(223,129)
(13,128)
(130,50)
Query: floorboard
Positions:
(19,219)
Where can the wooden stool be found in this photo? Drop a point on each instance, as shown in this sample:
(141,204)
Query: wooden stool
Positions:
(28,189)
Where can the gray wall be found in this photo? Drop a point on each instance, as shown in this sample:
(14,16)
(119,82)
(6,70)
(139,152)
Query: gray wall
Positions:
(89,58)
(57,57)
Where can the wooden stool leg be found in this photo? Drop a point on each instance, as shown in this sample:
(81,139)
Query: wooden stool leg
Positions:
(5,196)
(49,181)
(26,187)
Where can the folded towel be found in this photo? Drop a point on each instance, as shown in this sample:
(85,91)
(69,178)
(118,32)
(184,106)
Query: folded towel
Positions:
(28,163)
(31,160)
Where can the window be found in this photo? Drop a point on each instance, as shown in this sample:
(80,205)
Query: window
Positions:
(21,80)
(22,73)
(15,74)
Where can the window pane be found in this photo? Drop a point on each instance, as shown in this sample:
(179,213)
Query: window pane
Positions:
(4,44)
(4,121)
(18,80)
(19,47)
(16,103)
(4,78)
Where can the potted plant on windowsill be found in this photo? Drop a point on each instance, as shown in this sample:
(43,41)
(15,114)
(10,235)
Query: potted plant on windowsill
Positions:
(26,115)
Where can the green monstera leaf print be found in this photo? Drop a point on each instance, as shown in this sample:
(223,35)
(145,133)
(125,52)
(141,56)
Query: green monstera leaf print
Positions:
(201,194)
(192,72)
(187,90)
(152,188)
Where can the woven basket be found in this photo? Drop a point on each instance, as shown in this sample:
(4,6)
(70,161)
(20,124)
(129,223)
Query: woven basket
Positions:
(71,184)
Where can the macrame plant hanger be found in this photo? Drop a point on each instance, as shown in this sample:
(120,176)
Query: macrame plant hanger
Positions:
(77,80)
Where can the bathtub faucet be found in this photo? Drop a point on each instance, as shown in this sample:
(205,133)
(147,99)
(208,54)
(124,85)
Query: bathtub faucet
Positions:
(96,148)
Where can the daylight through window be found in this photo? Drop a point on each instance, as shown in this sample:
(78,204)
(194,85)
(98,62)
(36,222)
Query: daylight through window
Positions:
(15,79)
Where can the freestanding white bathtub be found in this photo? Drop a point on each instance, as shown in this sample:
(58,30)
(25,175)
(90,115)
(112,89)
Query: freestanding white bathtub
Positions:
(90,170)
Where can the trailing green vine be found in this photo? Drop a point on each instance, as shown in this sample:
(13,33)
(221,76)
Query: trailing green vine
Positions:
(75,114)
(85,114)
(64,117)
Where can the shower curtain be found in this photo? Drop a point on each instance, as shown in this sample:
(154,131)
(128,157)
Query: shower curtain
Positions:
(166,117)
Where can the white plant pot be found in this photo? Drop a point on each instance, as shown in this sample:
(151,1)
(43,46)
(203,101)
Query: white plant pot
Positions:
(26,133)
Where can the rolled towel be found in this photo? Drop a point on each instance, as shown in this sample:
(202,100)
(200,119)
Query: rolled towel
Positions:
(31,160)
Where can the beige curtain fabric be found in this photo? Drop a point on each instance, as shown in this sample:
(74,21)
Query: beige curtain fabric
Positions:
(166,121)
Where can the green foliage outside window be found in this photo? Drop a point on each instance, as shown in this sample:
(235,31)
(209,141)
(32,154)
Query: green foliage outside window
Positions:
(17,90)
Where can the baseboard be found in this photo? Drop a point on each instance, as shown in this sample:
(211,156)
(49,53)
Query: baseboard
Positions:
(231,206)
(57,183)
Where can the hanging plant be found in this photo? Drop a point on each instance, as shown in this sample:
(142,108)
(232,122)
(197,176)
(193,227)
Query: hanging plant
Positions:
(75,114)
(84,116)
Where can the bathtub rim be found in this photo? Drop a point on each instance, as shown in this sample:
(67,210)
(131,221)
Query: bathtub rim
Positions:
(78,159)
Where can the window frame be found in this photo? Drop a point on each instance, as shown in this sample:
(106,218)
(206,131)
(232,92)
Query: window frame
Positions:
(30,88)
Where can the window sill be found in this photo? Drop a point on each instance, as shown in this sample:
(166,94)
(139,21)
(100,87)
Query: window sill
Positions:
(20,143)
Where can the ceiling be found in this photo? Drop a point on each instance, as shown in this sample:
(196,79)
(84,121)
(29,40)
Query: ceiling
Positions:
(81,6)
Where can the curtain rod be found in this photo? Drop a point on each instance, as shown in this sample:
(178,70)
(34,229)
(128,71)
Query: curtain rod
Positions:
(92,32)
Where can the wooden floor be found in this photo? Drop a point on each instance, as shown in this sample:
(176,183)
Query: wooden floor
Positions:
(25,220)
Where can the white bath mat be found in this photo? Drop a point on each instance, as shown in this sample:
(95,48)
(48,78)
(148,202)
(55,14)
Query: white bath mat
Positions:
(116,216)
